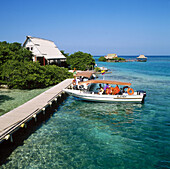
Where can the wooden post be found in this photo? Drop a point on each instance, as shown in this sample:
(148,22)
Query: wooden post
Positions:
(44,61)
(35,58)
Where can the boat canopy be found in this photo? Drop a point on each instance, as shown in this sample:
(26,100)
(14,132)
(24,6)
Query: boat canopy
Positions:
(106,82)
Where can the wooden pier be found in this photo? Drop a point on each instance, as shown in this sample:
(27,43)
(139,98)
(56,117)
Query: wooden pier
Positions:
(16,118)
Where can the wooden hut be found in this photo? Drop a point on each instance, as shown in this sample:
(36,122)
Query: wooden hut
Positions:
(111,56)
(86,74)
(141,58)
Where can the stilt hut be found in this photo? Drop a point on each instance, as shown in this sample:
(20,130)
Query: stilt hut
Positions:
(141,58)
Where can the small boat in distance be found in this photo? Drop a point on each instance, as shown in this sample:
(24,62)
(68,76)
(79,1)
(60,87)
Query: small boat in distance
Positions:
(103,91)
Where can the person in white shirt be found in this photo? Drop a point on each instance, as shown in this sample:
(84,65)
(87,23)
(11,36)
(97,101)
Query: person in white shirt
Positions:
(77,83)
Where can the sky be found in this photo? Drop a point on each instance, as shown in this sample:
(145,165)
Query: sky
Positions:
(98,27)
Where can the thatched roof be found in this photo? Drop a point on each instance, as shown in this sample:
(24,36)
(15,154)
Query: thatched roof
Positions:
(111,56)
(87,74)
(142,57)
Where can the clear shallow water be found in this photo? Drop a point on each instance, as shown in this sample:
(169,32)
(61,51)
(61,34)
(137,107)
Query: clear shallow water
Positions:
(92,135)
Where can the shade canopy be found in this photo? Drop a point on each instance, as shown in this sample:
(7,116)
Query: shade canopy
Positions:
(106,82)
(87,74)
(141,57)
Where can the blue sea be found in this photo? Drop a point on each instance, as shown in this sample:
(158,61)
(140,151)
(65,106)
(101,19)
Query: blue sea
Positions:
(87,135)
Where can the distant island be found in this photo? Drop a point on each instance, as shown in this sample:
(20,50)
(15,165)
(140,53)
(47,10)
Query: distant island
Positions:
(115,58)
(111,58)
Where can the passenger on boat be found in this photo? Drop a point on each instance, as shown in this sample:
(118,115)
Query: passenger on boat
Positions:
(112,90)
(116,90)
(101,89)
(81,78)
(105,87)
(75,83)
(108,90)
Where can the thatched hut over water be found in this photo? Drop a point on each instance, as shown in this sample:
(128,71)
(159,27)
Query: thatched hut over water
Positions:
(111,56)
(141,58)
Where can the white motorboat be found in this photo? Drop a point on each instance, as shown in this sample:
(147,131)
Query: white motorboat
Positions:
(126,94)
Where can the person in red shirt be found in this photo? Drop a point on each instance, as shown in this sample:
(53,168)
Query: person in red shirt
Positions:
(116,90)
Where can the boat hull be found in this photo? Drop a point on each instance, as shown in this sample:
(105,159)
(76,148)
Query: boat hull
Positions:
(106,98)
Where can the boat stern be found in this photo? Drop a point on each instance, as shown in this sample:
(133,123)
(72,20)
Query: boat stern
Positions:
(141,92)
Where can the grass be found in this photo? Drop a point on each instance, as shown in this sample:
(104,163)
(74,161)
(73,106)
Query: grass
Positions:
(12,98)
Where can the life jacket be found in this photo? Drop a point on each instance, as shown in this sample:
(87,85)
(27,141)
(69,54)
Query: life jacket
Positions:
(116,90)
(108,90)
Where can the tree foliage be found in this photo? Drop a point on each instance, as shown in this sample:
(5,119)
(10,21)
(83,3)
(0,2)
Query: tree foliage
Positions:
(18,71)
(118,59)
(13,51)
(30,75)
(65,54)
(102,59)
(80,61)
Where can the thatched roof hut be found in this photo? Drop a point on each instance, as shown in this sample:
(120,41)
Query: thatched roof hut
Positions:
(141,58)
(111,56)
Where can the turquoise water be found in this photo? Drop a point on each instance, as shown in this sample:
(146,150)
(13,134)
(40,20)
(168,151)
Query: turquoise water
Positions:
(100,135)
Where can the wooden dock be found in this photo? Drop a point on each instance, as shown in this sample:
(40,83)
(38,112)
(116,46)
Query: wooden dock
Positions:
(17,117)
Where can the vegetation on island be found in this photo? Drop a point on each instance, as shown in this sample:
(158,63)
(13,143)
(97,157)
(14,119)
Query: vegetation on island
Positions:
(31,75)
(13,51)
(80,61)
(17,70)
(65,54)
(116,59)
(102,59)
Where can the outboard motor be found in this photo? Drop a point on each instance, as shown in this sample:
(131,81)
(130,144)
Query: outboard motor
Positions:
(142,92)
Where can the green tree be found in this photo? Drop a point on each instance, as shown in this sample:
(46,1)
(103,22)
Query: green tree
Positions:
(81,61)
(13,51)
(65,54)
(102,59)
(18,71)
(30,75)
(118,59)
